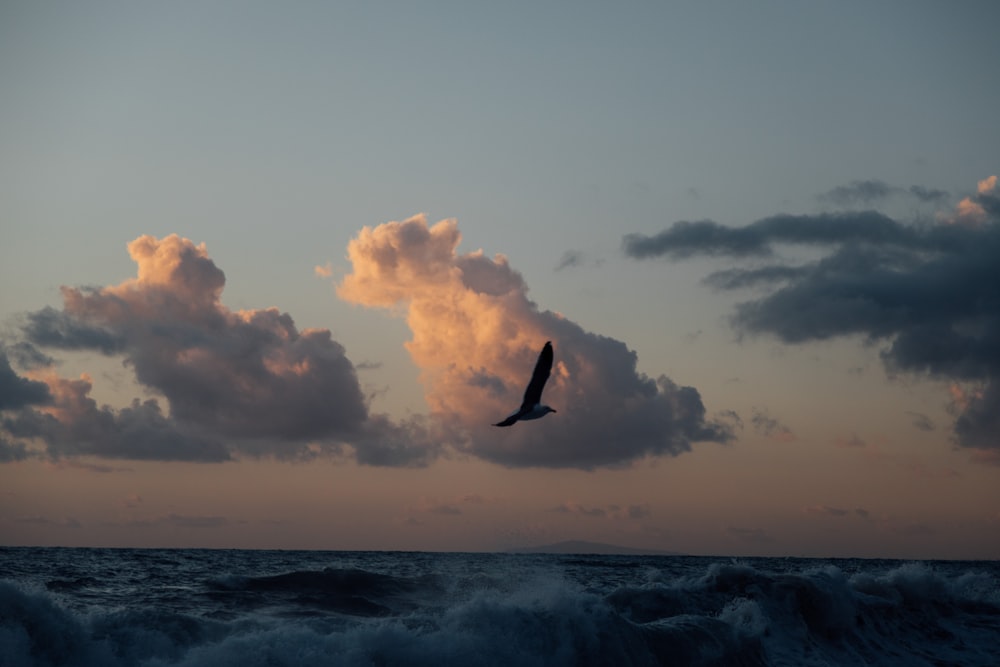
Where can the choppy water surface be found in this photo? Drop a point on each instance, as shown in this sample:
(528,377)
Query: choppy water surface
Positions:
(115,607)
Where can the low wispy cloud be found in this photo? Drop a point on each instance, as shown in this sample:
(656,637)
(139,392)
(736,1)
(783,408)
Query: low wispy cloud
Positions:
(611,511)
(928,293)
(852,441)
(921,421)
(770,427)
(453,506)
(64,522)
(476,336)
(575,259)
(12,450)
(197,521)
(868,192)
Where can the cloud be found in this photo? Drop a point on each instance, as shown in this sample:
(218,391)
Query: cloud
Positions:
(243,381)
(87,466)
(186,521)
(65,522)
(607,512)
(921,421)
(575,508)
(767,426)
(853,441)
(445,507)
(859,191)
(575,259)
(872,191)
(928,293)
(12,450)
(570,258)
(75,426)
(476,337)
(26,356)
(826,510)
(979,209)
(18,392)
(687,239)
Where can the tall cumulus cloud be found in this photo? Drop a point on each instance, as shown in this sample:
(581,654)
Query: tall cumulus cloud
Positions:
(929,293)
(476,336)
(235,382)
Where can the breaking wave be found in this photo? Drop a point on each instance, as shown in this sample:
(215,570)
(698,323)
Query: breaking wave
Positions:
(506,610)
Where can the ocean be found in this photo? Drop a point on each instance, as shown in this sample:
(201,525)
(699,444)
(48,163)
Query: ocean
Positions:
(158,607)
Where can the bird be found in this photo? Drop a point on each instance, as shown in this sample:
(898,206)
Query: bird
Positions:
(531,407)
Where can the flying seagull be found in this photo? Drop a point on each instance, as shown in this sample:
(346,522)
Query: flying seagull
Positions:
(532,407)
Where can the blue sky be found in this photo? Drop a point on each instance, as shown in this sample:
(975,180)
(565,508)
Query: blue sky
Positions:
(549,131)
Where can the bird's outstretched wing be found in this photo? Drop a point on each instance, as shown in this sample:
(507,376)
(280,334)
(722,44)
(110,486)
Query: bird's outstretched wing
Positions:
(510,420)
(543,367)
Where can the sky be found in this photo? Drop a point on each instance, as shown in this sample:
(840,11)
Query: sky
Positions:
(269,273)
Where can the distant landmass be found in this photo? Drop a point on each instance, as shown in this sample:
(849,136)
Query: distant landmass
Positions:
(597,548)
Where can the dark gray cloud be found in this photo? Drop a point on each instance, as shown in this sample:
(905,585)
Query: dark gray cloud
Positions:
(928,293)
(236,382)
(26,356)
(610,415)
(12,450)
(76,426)
(49,327)
(18,392)
(705,237)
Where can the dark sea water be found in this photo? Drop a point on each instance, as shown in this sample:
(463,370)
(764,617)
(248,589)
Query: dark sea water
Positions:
(113,607)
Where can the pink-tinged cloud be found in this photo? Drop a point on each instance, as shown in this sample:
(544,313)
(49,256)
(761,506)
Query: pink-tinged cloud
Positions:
(235,382)
(987,185)
(476,336)
(974,211)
